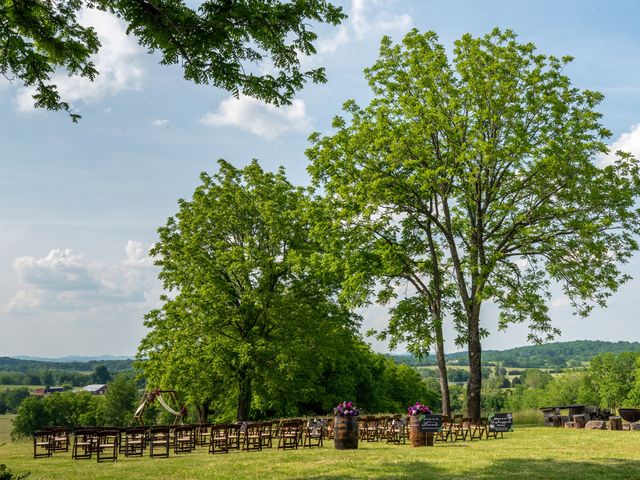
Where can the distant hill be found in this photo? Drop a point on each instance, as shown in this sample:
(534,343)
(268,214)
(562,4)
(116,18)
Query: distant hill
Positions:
(74,358)
(8,364)
(548,355)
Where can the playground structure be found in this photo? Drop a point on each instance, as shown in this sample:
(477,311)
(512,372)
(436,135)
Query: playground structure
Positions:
(151,396)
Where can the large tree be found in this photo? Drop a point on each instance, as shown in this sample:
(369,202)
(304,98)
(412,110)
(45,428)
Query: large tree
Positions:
(221,42)
(508,149)
(251,317)
(390,255)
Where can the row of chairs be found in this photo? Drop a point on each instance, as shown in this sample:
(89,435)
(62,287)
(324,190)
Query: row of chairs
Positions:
(392,428)
(460,427)
(107,442)
(395,429)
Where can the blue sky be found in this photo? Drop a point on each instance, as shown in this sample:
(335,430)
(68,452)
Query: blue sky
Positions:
(80,204)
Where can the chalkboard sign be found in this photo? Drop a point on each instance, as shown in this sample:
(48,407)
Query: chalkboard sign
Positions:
(430,423)
(501,422)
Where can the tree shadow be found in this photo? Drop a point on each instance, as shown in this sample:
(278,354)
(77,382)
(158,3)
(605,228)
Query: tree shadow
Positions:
(503,469)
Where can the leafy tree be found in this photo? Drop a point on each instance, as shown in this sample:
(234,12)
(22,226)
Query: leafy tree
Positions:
(11,398)
(495,150)
(249,299)
(215,43)
(611,378)
(535,378)
(59,409)
(120,401)
(565,389)
(101,374)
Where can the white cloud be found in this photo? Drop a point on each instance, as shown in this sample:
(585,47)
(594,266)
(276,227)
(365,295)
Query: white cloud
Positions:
(560,302)
(373,16)
(65,281)
(161,123)
(263,120)
(627,142)
(117,62)
(331,45)
(367,18)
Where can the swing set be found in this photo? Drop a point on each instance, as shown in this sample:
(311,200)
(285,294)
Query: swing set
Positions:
(151,396)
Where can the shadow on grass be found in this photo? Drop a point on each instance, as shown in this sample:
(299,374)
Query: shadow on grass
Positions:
(503,469)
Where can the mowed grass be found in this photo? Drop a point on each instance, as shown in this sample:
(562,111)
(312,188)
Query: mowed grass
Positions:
(13,387)
(5,429)
(527,453)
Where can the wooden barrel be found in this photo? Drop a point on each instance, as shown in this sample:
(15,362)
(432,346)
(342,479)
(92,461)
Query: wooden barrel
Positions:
(345,433)
(418,438)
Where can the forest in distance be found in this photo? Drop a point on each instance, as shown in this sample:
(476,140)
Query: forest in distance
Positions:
(551,355)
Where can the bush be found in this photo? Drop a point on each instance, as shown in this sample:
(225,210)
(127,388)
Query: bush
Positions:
(5,474)
(65,409)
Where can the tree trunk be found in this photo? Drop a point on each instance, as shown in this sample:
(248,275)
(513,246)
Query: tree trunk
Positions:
(244,395)
(203,411)
(442,368)
(475,365)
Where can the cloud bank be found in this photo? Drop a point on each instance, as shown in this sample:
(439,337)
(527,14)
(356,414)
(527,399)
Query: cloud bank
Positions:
(65,281)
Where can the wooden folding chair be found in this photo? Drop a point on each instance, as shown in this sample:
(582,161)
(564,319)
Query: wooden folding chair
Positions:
(235,431)
(42,444)
(251,439)
(479,428)
(107,444)
(462,429)
(266,434)
(290,432)
(204,434)
(183,439)
(59,438)
(159,441)
(397,431)
(83,443)
(314,433)
(219,438)
(134,441)
(446,432)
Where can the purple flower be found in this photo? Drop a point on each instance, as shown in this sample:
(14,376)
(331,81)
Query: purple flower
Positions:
(346,409)
(419,409)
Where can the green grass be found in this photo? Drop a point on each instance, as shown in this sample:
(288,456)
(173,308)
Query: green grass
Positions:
(529,417)
(527,453)
(11,387)
(5,428)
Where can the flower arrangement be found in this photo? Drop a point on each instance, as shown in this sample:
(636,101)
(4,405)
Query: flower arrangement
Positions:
(419,409)
(346,409)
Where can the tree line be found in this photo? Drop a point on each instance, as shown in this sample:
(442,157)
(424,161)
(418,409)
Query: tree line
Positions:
(555,355)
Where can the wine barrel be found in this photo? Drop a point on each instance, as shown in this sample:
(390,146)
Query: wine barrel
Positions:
(418,438)
(345,433)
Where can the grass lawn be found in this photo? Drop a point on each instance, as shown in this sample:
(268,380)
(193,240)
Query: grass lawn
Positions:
(13,387)
(5,429)
(527,453)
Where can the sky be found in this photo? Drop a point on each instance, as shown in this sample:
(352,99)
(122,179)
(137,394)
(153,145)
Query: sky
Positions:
(80,203)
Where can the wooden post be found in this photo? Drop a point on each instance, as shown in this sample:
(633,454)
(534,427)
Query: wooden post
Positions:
(615,423)
(580,420)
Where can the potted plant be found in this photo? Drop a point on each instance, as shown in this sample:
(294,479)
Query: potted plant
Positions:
(417,413)
(345,426)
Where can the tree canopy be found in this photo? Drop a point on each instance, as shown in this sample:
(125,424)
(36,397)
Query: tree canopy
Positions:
(219,43)
(497,152)
(248,303)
